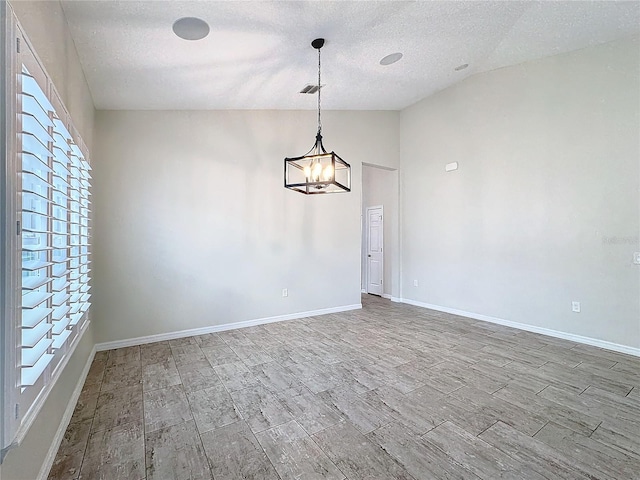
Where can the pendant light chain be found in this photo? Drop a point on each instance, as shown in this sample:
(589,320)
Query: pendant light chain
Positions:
(319,88)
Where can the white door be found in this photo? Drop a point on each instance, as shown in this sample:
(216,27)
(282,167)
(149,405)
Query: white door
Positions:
(375,260)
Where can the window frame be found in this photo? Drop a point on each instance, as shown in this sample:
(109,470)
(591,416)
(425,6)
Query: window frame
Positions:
(19,411)
(10,419)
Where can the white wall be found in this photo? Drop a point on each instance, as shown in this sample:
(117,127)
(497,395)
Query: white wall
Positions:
(45,25)
(544,208)
(380,187)
(194,228)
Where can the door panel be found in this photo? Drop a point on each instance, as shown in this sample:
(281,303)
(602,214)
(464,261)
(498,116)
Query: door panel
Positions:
(375,260)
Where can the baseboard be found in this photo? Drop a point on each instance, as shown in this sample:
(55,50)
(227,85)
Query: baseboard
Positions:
(66,418)
(530,328)
(363,291)
(392,298)
(387,296)
(220,328)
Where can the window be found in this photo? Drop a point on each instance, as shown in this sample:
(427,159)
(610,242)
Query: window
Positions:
(46,256)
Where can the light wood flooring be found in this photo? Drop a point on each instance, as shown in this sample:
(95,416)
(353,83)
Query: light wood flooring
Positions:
(387,392)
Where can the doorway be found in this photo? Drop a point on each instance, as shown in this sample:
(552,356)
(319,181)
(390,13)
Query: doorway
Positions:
(380,189)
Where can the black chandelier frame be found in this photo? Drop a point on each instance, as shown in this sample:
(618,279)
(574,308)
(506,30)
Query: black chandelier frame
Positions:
(317,171)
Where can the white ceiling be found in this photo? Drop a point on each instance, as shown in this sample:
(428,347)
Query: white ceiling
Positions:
(258,54)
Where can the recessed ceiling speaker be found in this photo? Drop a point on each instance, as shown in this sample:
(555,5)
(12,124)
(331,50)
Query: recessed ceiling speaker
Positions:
(191,28)
(389,59)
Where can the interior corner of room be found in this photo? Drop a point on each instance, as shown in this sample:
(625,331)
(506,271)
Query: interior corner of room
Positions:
(511,196)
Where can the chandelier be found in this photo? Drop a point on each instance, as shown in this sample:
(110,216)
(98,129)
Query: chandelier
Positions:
(317,171)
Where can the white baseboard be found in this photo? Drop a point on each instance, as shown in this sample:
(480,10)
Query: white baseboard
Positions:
(530,328)
(392,298)
(363,291)
(220,328)
(384,295)
(66,418)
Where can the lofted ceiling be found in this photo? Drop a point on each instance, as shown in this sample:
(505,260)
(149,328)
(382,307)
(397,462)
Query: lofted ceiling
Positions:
(258,53)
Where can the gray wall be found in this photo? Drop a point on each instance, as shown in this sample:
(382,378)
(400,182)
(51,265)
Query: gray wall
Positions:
(45,25)
(191,217)
(193,227)
(544,208)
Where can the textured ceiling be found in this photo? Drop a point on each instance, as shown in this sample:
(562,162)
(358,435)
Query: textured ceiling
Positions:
(258,54)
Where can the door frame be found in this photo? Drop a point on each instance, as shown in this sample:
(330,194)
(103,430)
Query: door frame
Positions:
(366,242)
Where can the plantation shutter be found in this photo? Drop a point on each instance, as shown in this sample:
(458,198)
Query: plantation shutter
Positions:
(54,231)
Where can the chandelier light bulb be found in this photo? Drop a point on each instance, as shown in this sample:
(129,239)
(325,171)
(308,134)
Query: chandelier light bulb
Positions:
(317,171)
(307,171)
(328,172)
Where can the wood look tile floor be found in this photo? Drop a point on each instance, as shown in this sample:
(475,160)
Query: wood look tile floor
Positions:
(387,392)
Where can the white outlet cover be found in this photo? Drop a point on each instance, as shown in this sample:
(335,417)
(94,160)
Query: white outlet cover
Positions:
(450,167)
(415,283)
(575,307)
(636,258)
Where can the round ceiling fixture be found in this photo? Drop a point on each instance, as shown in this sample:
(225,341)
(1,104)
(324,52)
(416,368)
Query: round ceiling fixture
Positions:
(389,59)
(461,67)
(191,28)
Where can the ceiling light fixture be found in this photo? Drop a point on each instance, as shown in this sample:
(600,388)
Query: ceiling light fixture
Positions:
(389,59)
(191,28)
(317,171)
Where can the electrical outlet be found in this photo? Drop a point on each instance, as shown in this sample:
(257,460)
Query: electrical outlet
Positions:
(450,167)
(415,283)
(575,307)
(636,258)
(285,292)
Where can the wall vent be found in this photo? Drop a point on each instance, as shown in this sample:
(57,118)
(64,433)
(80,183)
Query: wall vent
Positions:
(310,89)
